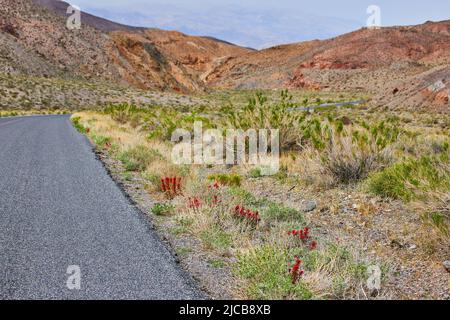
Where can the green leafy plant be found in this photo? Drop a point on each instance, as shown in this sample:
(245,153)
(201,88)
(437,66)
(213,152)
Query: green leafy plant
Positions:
(162,209)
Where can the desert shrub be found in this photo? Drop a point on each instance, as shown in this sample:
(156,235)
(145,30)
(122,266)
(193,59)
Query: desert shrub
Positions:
(255,173)
(161,209)
(162,122)
(122,113)
(135,121)
(11,29)
(412,178)
(348,164)
(440,221)
(349,154)
(259,114)
(139,157)
(343,273)
(439,146)
(226,179)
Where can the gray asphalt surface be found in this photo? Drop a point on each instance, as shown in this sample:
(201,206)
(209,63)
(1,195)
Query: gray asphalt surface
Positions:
(58,207)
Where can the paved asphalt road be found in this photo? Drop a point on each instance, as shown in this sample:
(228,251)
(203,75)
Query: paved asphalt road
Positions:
(58,207)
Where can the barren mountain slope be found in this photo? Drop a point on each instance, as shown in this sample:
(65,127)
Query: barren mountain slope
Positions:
(169,53)
(377,61)
(37,42)
(398,66)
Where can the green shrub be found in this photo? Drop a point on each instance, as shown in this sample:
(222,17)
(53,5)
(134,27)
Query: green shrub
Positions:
(347,273)
(161,209)
(122,113)
(411,178)
(139,157)
(351,154)
(226,179)
(162,122)
(245,198)
(440,221)
(259,114)
(216,263)
(255,173)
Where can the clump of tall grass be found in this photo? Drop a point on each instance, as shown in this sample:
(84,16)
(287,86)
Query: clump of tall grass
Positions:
(260,114)
(412,178)
(349,153)
(122,113)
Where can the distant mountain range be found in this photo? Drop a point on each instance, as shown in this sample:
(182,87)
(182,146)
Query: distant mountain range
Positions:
(397,65)
(253,26)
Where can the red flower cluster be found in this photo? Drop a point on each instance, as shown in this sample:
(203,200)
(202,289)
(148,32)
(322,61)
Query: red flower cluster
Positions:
(171,186)
(248,215)
(194,203)
(215,197)
(295,271)
(305,236)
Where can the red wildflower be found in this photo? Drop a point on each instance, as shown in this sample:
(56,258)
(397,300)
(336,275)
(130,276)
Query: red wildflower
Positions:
(303,234)
(295,271)
(247,215)
(171,186)
(194,203)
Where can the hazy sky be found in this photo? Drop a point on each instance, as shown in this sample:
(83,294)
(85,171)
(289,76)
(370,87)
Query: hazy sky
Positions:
(262,23)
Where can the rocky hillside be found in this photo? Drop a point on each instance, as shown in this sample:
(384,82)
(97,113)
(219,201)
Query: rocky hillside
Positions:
(35,41)
(398,65)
